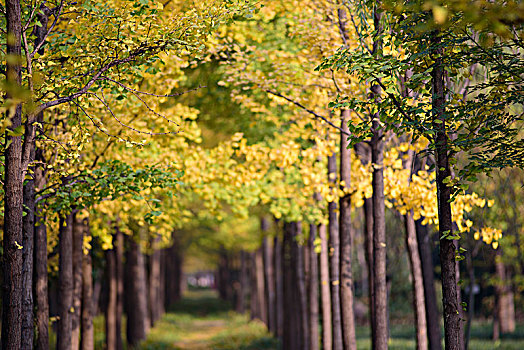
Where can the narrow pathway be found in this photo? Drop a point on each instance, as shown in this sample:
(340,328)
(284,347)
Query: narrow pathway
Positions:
(202,321)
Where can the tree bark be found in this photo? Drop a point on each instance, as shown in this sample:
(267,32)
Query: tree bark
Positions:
(40,271)
(27,266)
(261,290)
(87,331)
(78,243)
(111,307)
(334,261)
(418,283)
(13,196)
(430,295)
(269,279)
(279,287)
(65,282)
(136,294)
(313,289)
(298,260)
(154,282)
(290,331)
(505,305)
(452,324)
(325,292)
(118,245)
(346,239)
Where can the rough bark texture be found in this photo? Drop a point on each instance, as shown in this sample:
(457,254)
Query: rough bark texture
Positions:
(65,282)
(334,261)
(430,295)
(40,269)
(452,324)
(27,266)
(269,279)
(136,294)
(418,283)
(78,242)
(279,287)
(345,229)
(313,289)
(87,331)
(325,292)
(12,256)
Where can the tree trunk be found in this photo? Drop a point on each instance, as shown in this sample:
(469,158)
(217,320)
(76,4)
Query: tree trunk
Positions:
(136,297)
(78,243)
(325,292)
(87,336)
(111,307)
(27,266)
(418,283)
(504,298)
(13,196)
(118,245)
(345,231)
(154,281)
(313,289)
(290,331)
(65,282)
(334,261)
(430,295)
(279,288)
(261,292)
(40,274)
(452,325)
(269,279)
(301,312)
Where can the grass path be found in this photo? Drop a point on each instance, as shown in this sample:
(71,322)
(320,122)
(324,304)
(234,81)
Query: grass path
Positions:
(201,321)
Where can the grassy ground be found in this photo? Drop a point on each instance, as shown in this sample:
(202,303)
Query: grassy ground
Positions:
(201,321)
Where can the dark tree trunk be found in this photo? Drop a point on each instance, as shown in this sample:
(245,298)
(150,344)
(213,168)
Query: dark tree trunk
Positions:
(279,287)
(254,309)
(78,243)
(65,282)
(40,277)
(430,295)
(112,296)
(298,258)
(261,290)
(505,305)
(346,239)
(136,294)
(27,267)
(13,194)
(290,331)
(325,292)
(269,279)
(334,261)
(118,244)
(313,289)
(243,284)
(87,331)
(418,283)
(452,324)
(173,270)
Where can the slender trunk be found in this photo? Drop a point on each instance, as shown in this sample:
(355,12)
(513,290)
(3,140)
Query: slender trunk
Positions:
(279,288)
(418,283)
(290,333)
(254,310)
(40,271)
(298,259)
(112,290)
(334,261)
(430,295)
(87,332)
(452,324)
(118,244)
(136,294)
(269,278)
(313,289)
(505,298)
(244,284)
(325,292)
(162,283)
(154,281)
(345,231)
(261,292)
(65,282)
(13,196)
(78,242)
(27,265)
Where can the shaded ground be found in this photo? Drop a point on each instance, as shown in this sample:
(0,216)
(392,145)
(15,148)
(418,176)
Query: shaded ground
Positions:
(201,321)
